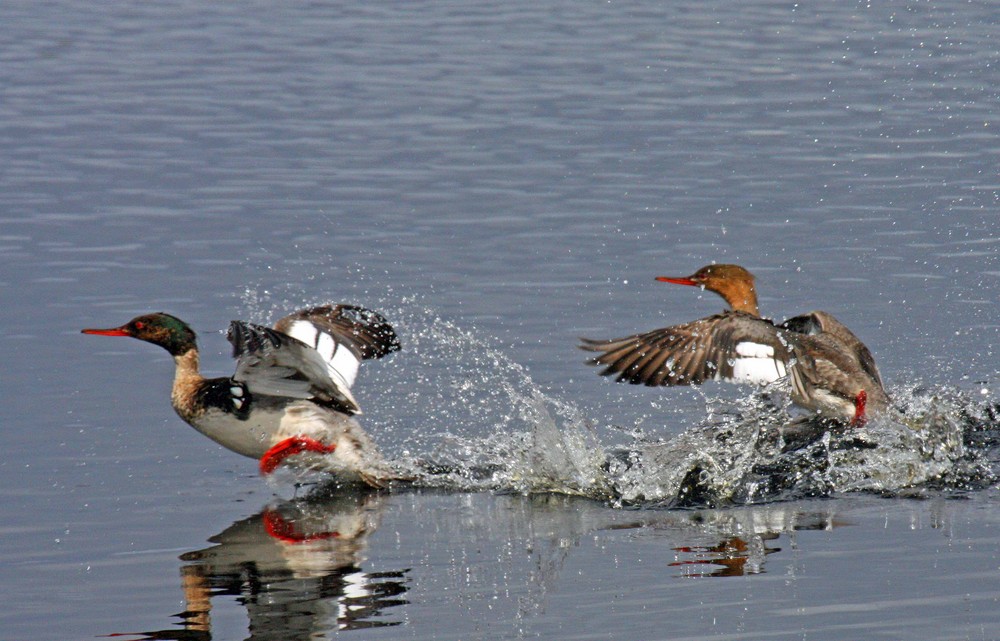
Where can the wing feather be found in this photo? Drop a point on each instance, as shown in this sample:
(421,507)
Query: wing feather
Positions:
(273,363)
(817,322)
(690,353)
(311,354)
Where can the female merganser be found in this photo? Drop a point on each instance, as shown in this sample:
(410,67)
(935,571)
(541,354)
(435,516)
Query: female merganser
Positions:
(290,395)
(832,372)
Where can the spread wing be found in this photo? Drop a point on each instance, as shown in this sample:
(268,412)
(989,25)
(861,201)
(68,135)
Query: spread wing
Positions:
(732,346)
(832,366)
(822,365)
(275,364)
(313,353)
(818,322)
(366,333)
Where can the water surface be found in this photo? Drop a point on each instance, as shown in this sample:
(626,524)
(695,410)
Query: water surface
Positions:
(497,180)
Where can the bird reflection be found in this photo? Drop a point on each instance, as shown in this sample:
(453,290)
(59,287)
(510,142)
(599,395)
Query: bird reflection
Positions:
(296,568)
(744,553)
(733,556)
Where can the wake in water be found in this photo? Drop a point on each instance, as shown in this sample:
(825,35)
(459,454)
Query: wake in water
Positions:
(463,416)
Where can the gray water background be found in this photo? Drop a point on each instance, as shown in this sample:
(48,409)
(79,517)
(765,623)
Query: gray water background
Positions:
(517,173)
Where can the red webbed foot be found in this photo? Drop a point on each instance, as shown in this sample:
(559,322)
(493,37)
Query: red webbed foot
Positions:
(290,447)
(860,401)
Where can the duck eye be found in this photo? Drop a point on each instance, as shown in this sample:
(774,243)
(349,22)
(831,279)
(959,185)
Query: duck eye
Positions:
(139,324)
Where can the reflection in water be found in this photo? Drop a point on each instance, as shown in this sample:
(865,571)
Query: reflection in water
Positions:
(744,538)
(732,557)
(296,568)
(553,529)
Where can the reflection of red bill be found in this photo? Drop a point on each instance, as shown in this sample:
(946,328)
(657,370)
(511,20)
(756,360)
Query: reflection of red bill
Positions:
(290,447)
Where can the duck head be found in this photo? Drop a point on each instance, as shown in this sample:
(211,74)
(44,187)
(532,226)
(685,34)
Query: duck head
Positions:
(169,332)
(734,283)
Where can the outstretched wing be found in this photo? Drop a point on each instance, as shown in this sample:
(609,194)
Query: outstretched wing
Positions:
(312,353)
(275,364)
(368,334)
(817,322)
(732,346)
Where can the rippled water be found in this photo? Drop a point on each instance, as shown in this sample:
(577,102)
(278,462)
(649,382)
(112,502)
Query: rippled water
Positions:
(499,180)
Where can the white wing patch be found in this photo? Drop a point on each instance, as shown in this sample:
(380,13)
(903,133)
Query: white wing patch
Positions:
(748,349)
(755,363)
(341,363)
(326,346)
(345,363)
(303,331)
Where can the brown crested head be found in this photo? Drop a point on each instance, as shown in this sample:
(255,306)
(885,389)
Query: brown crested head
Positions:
(169,332)
(734,283)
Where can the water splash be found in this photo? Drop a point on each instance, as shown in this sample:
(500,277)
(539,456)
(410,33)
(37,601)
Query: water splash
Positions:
(750,451)
(751,456)
(533,442)
(455,413)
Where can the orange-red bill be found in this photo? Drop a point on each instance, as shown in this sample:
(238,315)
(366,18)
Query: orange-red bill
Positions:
(677,281)
(114,331)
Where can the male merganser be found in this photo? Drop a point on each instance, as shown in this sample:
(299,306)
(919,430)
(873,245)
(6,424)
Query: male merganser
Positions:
(290,395)
(832,372)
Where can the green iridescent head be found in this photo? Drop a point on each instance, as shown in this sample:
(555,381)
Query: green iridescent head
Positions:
(169,332)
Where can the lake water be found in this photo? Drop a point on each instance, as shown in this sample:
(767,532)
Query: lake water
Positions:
(499,180)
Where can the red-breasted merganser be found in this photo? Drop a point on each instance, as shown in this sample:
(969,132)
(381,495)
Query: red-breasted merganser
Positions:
(290,398)
(832,372)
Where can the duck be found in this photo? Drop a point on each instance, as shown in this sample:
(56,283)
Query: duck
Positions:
(833,374)
(289,402)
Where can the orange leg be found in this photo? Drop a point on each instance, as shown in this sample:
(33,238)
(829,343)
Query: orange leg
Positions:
(290,447)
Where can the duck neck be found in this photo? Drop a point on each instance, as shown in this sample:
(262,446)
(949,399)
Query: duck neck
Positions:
(747,302)
(742,297)
(187,382)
